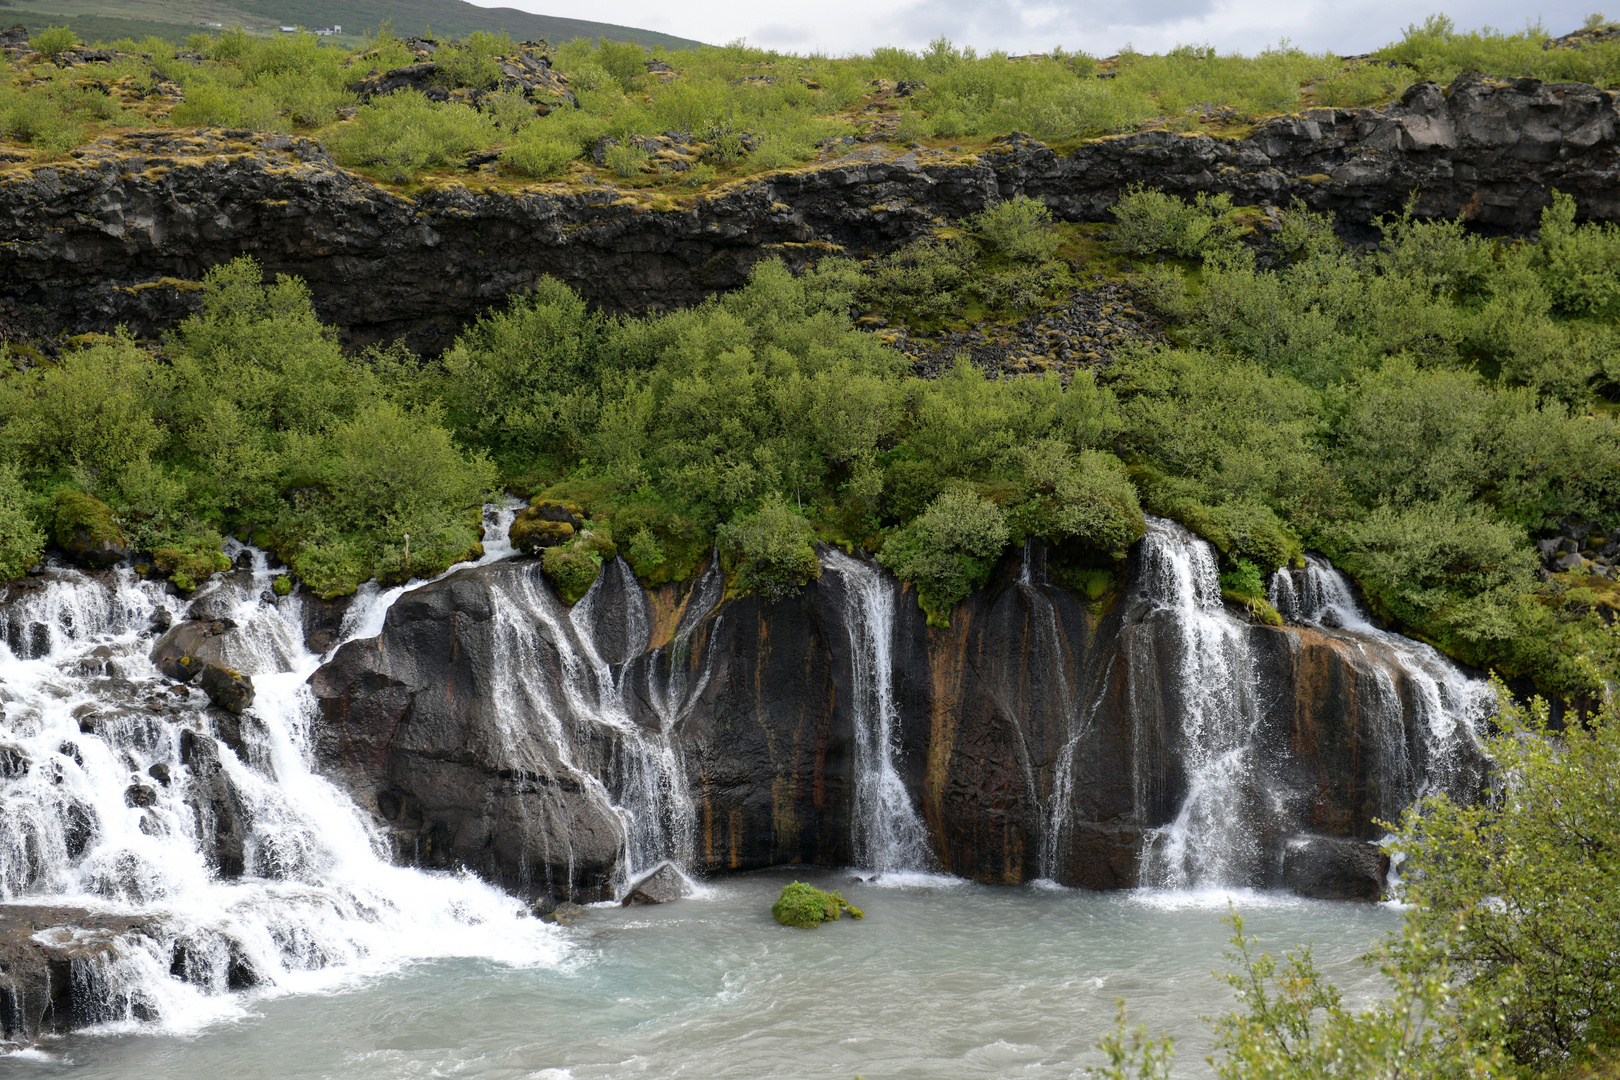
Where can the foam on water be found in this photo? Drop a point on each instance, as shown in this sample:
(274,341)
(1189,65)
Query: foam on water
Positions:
(86,820)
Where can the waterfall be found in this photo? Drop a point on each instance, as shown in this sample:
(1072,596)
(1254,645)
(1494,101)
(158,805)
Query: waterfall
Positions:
(555,684)
(1050,650)
(237,865)
(1448,707)
(889,836)
(1214,839)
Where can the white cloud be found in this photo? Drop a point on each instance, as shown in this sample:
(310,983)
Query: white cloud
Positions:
(1099,27)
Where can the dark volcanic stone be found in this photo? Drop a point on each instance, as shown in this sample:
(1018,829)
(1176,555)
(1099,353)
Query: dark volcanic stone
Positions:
(230,690)
(1334,868)
(381,265)
(659,887)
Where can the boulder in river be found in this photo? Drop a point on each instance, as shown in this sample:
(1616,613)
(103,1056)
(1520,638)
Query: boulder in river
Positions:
(1335,868)
(659,887)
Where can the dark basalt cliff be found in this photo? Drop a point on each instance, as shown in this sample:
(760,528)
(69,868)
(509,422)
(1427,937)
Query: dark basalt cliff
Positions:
(1036,736)
(121,234)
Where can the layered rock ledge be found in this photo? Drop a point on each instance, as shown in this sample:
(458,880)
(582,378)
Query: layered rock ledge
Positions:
(121,234)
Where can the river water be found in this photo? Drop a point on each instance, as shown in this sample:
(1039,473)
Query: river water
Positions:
(942,979)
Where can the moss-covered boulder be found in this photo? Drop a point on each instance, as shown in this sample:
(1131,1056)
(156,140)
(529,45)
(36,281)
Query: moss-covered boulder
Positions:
(574,567)
(807,907)
(189,565)
(545,523)
(85,528)
(227,688)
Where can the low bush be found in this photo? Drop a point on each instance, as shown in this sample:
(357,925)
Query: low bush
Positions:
(948,550)
(22,541)
(1150,222)
(405,132)
(768,551)
(53,41)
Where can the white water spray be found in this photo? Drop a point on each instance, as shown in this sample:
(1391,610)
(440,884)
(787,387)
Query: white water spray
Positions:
(889,836)
(119,795)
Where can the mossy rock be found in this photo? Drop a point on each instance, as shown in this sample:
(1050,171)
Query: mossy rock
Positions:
(86,528)
(807,907)
(282,585)
(530,535)
(573,569)
(190,566)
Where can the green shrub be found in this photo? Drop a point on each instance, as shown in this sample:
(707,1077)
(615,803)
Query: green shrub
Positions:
(94,412)
(22,542)
(1149,222)
(472,62)
(807,907)
(1580,265)
(282,585)
(1082,497)
(1520,889)
(405,132)
(1020,228)
(768,551)
(627,159)
(32,117)
(947,551)
(625,61)
(53,41)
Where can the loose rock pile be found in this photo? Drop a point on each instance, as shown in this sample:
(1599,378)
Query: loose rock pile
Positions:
(1581,548)
(1087,331)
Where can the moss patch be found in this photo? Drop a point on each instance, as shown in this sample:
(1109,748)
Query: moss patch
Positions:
(807,907)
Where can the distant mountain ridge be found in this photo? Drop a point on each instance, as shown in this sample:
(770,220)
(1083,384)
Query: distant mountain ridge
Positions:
(451,18)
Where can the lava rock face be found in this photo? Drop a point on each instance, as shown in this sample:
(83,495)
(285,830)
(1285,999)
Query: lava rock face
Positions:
(120,235)
(1038,736)
(1335,868)
(415,723)
(50,960)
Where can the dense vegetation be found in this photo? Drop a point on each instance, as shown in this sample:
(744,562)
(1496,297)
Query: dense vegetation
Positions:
(1417,412)
(735,110)
(1507,960)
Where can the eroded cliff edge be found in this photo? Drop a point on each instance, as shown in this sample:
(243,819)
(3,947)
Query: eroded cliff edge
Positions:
(118,235)
(1038,736)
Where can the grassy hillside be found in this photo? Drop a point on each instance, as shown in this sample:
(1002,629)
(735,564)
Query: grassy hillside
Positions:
(108,20)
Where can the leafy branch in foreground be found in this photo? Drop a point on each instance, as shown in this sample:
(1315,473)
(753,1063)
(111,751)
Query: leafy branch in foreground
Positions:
(1508,963)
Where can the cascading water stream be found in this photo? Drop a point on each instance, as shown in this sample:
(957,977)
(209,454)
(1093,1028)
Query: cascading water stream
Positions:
(889,836)
(1213,841)
(1448,706)
(242,866)
(555,683)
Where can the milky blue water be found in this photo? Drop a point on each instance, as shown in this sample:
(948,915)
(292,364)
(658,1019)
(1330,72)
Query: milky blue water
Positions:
(940,980)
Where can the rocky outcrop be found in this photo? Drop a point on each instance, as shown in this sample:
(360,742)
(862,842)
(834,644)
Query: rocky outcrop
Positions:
(121,234)
(1335,868)
(418,726)
(1038,736)
(54,965)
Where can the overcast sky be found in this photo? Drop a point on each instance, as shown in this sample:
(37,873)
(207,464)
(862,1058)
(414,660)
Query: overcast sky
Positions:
(1099,27)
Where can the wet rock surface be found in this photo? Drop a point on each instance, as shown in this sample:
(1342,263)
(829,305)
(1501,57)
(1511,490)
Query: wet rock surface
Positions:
(1335,868)
(50,958)
(664,885)
(1040,735)
(119,234)
(414,723)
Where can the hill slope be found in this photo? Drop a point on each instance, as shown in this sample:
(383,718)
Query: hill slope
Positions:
(174,19)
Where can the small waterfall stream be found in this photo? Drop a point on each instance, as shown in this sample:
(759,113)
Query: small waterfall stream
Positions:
(1213,840)
(1449,707)
(120,795)
(561,675)
(889,836)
